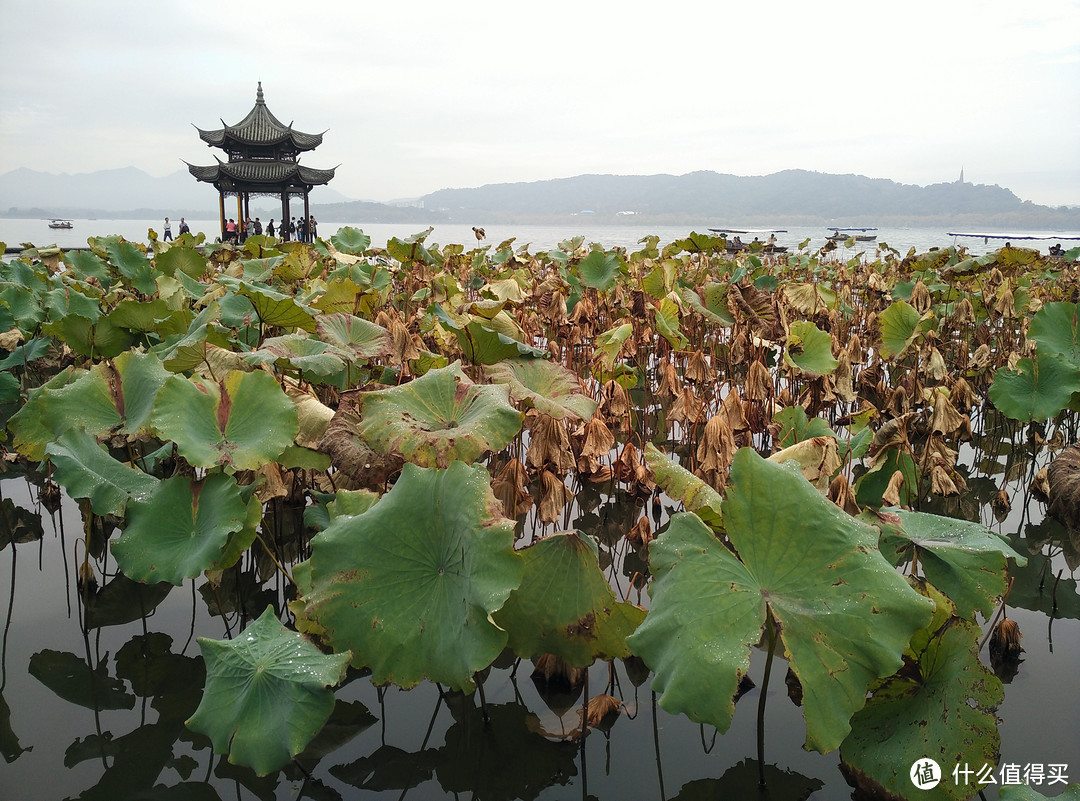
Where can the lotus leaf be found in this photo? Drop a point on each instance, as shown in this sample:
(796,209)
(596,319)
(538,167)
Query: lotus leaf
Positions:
(481,344)
(244,421)
(437,418)
(600,269)
(352,241)
(363,338)
(1037,389)
(85,264)
(545,386)
(667,324)
(810,349)
(565,606)
(314,358)
(272,307)
(99,338)
(899,328)
(189,350)
(129,261)
(22,355)
(965,560)
(940,705)
(266,694)
(409,585)
(710,301)
(67,300)
(1057,330)
(181,259)
(795,426)
(180,529)
(682,485)
(610,343)
(86,470)
(709,606)
(1025,793)
(71,678)
(149,316)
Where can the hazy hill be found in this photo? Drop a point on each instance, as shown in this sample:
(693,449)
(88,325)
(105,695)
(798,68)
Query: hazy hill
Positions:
(790,197)
(108,193)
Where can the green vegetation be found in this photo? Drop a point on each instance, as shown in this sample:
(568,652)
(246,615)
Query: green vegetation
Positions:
(422,406)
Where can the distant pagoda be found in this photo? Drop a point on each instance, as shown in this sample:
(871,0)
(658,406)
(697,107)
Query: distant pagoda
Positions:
(263,161)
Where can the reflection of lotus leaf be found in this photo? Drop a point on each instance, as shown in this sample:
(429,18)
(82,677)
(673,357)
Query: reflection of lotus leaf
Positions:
(438,418)
(266,694)
(791,542)
(410,584)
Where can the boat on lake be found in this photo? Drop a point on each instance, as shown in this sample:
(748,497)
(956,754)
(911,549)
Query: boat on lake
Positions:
(858,234)
(733,237)
(61,224)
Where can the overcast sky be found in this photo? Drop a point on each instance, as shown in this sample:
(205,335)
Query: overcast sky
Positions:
(417,96)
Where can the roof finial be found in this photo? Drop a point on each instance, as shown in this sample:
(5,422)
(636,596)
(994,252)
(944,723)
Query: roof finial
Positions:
(259,95)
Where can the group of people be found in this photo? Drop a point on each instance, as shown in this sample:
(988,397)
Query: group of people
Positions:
(183,229)
(304,230)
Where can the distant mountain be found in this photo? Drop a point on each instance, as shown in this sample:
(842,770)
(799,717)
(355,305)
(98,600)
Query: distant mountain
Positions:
(791,197)
(115,192)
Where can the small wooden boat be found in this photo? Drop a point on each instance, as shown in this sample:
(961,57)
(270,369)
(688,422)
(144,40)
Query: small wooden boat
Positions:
(61,224)
(733,238)
(858,234)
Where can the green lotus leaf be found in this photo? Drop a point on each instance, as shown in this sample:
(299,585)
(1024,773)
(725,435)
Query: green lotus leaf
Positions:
(1037,389)
(313,357)
(67,300)
(129,261)
(437,418)
(682,485)
(870,487)
(352,241)
(180,529)
(181,259)
(10,388)
(710,301)
(810,349)
(1056,327)
(363,338)
(545,386)
(266,694)
(409,585)
(341,296)
(795,426)
(85,264)
(610,343)
(565,606)
(72,679)
(709,606)
(149,316)
(26,353)
(189,350)
(899,328)
(967,561)
(244,421)
(23,306)
(86,470)
(481,344)
(600,269)
(941,705)
(99,338)
(666,317)
(272,307)
(1015,792)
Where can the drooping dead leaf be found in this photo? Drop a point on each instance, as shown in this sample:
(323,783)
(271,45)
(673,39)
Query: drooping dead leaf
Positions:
(511,487)
(598,439)
(555,495)
(600,706)
(843,494)
(891,496)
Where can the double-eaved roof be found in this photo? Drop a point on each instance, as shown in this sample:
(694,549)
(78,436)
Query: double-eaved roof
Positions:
(262,154)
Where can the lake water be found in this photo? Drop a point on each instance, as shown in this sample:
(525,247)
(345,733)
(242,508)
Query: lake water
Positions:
(537,237)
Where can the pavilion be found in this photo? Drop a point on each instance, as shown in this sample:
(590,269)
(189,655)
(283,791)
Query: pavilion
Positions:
(262,161)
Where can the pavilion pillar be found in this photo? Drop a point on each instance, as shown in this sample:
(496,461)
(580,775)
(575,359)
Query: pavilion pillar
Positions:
(307,213)
(239,217)
(285,219)
(221,213)
(283,229)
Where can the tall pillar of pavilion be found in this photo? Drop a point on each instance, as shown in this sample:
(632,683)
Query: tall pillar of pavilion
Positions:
(263,160)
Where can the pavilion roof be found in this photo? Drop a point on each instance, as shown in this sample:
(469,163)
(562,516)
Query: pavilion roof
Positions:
(260,127)
(261,173)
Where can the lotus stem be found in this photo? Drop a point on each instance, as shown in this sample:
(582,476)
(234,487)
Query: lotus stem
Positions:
(770,627)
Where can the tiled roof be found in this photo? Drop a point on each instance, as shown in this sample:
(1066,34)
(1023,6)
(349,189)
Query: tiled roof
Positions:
(260,127)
